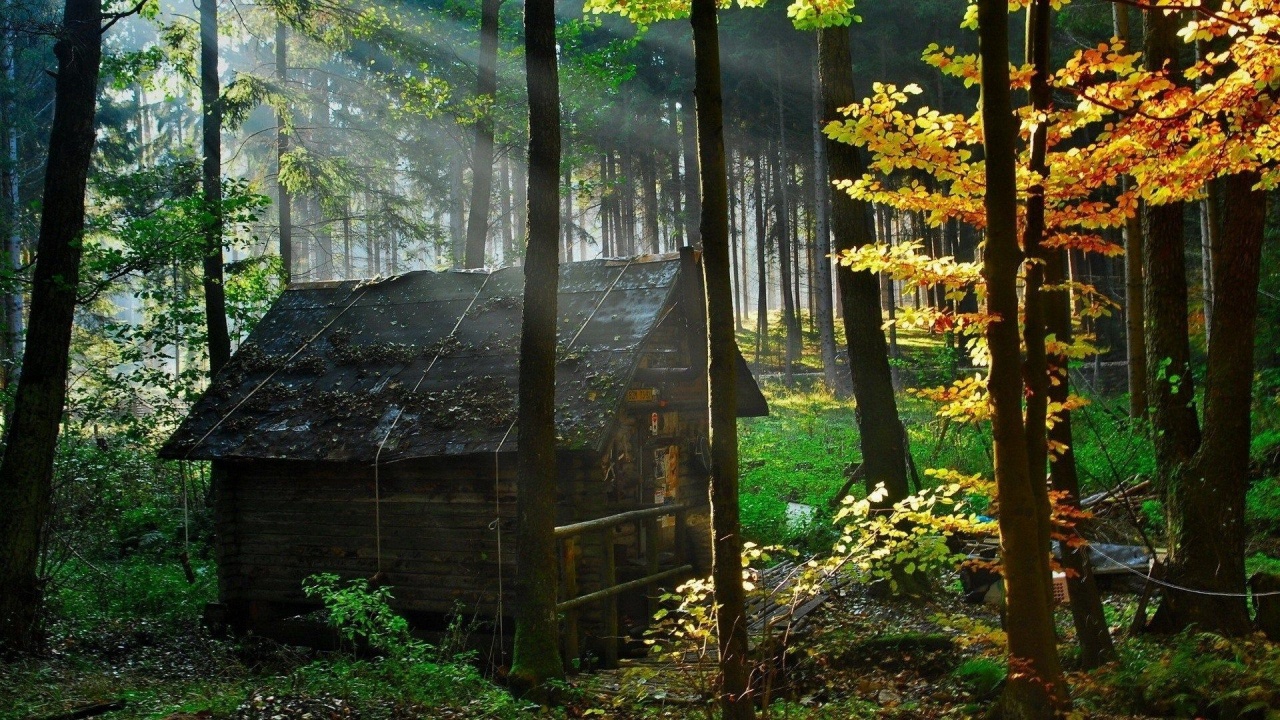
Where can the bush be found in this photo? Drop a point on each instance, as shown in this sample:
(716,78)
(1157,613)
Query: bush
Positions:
(981,676)
(1190,675)
(1262,505)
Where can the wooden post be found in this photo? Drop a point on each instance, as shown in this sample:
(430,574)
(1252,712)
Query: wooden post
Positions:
(651,562)
(611,638)
(682,537)
(569,562)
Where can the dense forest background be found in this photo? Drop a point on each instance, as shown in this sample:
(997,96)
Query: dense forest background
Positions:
(358,141)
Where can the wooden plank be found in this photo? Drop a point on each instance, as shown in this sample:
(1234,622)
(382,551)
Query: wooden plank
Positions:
(612,520)
(624,587)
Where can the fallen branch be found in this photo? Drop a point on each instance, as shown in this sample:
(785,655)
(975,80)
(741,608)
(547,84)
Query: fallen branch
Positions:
(89,711)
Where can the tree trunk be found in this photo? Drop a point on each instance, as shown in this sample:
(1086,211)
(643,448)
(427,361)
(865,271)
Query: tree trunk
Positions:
(679,221)
(1036,688)
(504,209)
(1049,312)
(482,153)
(1135,339)
(1209,242)
(457,213)
(692,200)
(1036,369)
(762,285)
(519,199)
(1170,389)
(215,300)
(726,551)
(1096,646)
(884,452)
(822,232)
(11,332)
(284,200)
(649,178)
(26,471)
(1206,501)
(536,654)
(782,227)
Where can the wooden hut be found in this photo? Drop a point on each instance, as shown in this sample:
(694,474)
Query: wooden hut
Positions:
(367,427)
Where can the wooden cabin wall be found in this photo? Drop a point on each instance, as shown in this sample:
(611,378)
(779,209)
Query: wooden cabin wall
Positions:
(280,522)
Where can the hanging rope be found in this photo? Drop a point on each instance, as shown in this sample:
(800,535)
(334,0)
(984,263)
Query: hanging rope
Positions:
(377,488)
(497,498)
(281,366)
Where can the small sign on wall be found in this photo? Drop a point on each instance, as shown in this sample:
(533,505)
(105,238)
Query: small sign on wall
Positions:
(641,395)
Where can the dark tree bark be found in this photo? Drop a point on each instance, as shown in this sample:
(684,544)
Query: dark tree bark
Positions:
(822,246)
(1170,390)
(1049,312)
(215,299)
(679,221)
(482,153)
(1036,368)
(284,201)
(536,653)
(731,621)
(1206,500)
(11,321)
(649,174)
(1036,688)
(762,277)
(692,201)
(26,470)
(781,228)
(884,451)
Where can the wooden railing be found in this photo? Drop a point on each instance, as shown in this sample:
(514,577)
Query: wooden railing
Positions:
(568,536)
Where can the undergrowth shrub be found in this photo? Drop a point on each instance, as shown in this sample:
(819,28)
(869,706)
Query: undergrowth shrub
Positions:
(1189,675)
(1262,505)
(407,671)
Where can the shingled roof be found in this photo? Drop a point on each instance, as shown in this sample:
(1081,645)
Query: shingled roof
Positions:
(425,364)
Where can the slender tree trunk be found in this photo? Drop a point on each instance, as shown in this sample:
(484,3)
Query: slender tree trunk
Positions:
(284,200)
(762,279)
(1135,337)
(822,232)
(504,209)
(738,307)
(680,222)
(649,179)
(1096,646)
(1036,368)
(692,201)
(884,451)
(215,300)
(743,261)
(1035,688)
(520,198)
(1052,377)
(26,470)
(566,223)
(1170,389)
(11,333)
(782,226)
(457,213)
(482,153)
(731,620)
(536,653)
(1206,499)
(1209,242)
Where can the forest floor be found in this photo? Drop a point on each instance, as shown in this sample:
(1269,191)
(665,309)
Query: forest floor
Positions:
(127,629)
